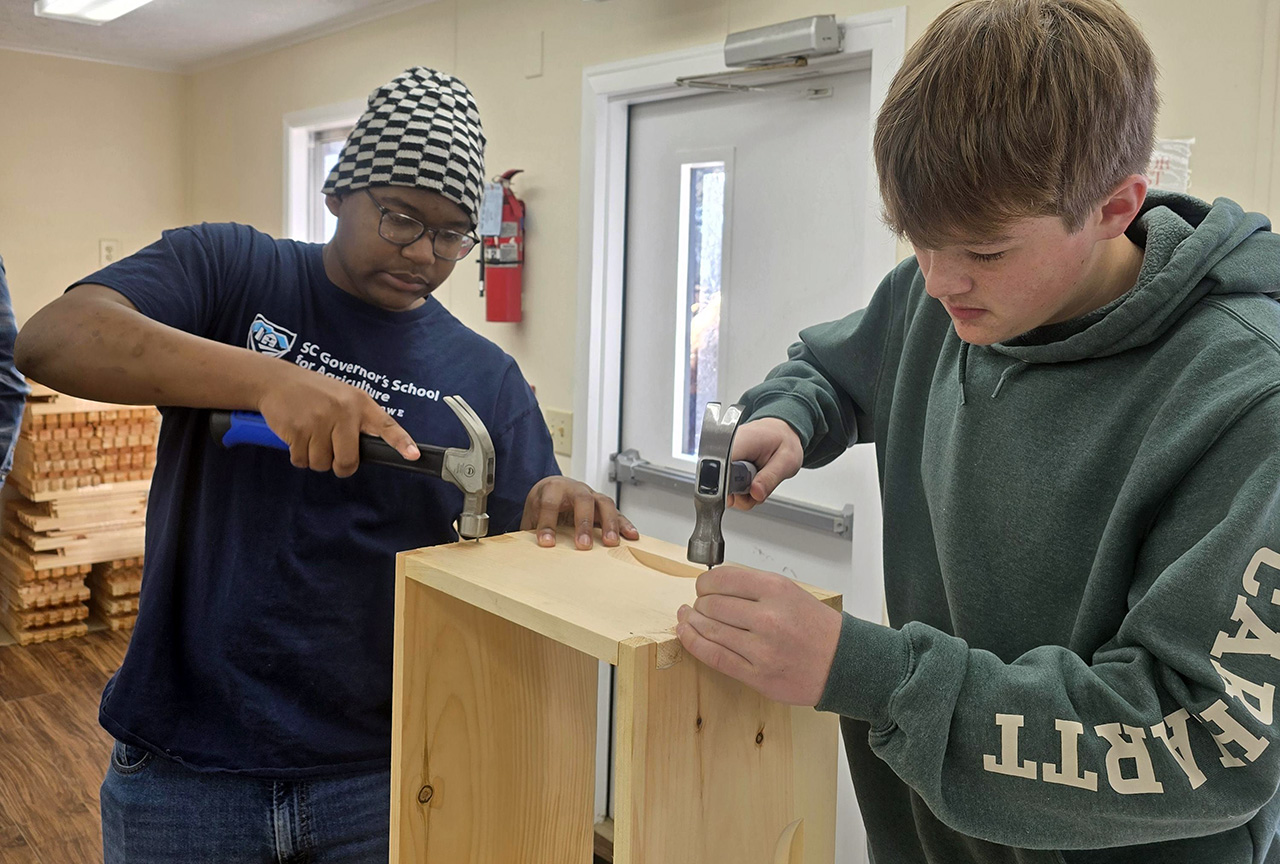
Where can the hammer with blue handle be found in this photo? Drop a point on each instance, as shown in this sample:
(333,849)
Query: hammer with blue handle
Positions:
(471,470)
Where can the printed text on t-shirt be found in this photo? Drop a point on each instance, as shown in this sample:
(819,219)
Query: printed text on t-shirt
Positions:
(379,386)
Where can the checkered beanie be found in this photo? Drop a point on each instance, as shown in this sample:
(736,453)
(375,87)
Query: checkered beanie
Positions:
(421,129)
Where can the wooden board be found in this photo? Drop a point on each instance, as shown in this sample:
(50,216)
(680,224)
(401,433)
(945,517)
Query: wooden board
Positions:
(75,444)
(592,601)
(68,444)
(34,516)
(41,392)
(77,493)
(119,622)
(17,569)
(79,510)
(120,586)
(493,738)
(47,488)
(41,396)
(30,619)
(109,606)
(69,540)
(77,553)
(119,565)
(83,454)
(44,593)
(80,412)
(709,770)
(47,634)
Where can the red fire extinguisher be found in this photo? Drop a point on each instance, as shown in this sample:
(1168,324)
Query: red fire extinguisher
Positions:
(502,258)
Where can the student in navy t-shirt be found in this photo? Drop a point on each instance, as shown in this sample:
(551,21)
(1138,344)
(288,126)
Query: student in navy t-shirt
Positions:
(252,714)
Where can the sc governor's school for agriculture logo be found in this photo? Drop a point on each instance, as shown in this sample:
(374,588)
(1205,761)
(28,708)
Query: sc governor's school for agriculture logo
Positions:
(270,339)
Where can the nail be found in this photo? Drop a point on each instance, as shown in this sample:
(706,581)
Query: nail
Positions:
(611,536)
(584,539)
(546,537)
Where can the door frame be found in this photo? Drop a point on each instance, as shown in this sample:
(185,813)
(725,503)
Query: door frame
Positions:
(1267,173)
(875,41)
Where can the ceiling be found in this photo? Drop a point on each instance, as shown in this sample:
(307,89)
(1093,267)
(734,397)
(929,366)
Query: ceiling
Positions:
(187,35)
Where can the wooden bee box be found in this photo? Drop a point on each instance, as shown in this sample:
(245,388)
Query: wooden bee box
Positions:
(497,644)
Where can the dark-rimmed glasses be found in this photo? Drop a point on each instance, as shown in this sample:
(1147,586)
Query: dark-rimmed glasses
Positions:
(404,230)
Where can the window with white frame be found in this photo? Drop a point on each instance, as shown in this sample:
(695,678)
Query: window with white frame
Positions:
(313,142)
(326,147)
(702,235)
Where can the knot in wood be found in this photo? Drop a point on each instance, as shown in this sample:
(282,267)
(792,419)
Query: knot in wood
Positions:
(425,793)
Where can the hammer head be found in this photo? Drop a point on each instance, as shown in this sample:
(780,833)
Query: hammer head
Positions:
(471,470)
(711,482)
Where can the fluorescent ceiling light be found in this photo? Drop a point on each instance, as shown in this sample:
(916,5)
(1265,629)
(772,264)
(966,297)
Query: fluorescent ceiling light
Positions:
(87,11)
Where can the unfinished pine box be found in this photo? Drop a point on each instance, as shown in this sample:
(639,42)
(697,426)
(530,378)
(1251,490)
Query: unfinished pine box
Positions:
(494,717)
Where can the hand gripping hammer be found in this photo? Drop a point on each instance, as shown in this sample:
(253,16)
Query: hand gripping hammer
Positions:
(471,470)
(715,478)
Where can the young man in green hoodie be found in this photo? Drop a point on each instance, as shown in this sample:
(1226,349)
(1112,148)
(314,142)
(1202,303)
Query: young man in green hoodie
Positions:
(1073,388)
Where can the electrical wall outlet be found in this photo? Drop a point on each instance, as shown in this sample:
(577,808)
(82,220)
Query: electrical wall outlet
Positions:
(561,425)
(108,252)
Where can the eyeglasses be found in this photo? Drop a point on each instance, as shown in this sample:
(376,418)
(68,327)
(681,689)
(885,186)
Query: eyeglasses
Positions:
(404,230)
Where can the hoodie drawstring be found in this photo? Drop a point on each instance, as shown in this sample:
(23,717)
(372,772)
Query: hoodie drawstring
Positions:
(964,362)
(1007,375)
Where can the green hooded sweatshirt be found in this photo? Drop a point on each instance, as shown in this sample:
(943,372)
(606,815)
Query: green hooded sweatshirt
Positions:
(1081,559)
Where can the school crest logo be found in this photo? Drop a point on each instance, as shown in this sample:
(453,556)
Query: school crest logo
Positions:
(270,339)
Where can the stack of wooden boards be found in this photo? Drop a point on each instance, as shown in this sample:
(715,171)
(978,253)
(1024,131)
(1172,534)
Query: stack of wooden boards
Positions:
(81,472)
(114,591)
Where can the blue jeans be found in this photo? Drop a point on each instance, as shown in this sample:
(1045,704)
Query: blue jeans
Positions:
(156,811)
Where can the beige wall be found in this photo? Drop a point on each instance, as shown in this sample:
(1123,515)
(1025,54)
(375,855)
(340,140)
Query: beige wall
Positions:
(534,123)
(87,151)
(93,151)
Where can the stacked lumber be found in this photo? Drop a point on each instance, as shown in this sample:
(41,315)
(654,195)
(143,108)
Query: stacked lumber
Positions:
(81,472)
(114,587)
(69,443)
(41,607)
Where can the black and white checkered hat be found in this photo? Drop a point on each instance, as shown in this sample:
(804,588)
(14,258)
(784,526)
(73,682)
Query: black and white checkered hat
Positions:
(421,129)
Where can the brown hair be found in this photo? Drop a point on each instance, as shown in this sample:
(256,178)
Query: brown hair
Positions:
(1005,109)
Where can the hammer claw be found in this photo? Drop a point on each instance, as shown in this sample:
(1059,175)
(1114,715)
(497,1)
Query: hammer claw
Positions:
(471,470)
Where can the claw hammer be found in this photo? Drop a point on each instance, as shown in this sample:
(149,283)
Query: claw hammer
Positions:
(471,470)
(715,478)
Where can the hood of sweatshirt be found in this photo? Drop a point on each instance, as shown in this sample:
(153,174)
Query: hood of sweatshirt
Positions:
(1192,249)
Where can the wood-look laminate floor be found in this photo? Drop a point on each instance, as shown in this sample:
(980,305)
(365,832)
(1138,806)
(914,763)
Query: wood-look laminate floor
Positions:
(53,753)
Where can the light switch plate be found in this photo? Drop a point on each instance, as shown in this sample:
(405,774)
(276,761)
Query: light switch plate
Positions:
(561,425)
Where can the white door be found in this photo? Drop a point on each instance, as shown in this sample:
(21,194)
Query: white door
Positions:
(745,223)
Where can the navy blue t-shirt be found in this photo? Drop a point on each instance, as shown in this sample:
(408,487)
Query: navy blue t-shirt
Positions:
(264,638)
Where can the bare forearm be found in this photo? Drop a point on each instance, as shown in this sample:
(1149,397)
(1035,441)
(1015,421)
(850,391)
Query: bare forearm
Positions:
(87,345)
